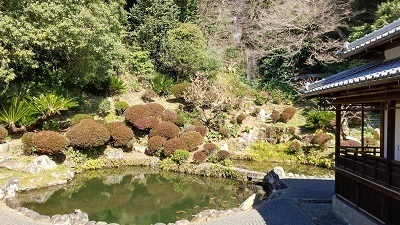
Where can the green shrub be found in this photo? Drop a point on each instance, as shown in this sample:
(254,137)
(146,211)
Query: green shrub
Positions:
(319,119)
(210,148)
(192,139)
(88,134)
(169,115)
(199,157)
(165,129)
(136,112)
(240,118)
(53,125)
(27,143)
(146,123)
(148,95)
(120,107)
(49,142)
(155,144)
(224,131)
(121,135)
(114,86)
(172,145)
(104,107)
(227,162)
(178,90)
(294,147)
(3,134)
(77,118)
(180,156)
(260,98)
(161,84)
(180,121)
(223,155)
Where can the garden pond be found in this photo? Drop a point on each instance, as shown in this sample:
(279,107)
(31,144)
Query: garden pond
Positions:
(137,195)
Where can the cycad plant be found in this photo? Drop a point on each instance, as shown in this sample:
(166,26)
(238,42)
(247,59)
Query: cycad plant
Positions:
(50,104)
(17,115)
(162,84)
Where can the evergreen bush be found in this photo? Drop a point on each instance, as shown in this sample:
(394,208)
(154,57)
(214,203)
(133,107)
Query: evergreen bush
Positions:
(154,144)
(121,135)
(3,134)
(209,148)
(180,156)
(192,139)
(224,131)
(136,112)
(88,134)
(240,118)
(350,143)
(275,115)
(285,117)
(199,157)
(148,95)
(291,111)
(294,147)
(120,107)
(146,123)
(319,119)
(222,155)
(178,90)
(155,109)
(112,125)
(172,145)
(49,142)
(77,118)
(27,143)
(169,115)
(321,139)
(104,107)
(370,142)
(165,129)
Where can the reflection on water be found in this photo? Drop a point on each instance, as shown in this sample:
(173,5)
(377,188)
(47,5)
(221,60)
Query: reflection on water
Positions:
(137,196)
(294,168)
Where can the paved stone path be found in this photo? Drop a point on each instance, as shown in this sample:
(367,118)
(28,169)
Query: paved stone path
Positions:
(12,217)
(304,202)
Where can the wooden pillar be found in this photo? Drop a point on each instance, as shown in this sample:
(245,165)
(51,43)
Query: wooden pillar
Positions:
(337,137)
(382,129)
(391,128)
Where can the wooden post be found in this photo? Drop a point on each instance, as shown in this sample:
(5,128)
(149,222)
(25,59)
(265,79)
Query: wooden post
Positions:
(337,137)
(391,128)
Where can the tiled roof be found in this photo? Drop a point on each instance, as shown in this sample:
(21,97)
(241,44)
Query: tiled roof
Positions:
(373,38)
(367,73)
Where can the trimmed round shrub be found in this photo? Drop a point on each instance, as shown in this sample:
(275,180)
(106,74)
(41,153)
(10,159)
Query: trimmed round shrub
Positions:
(294,147)
(290,111)
(198,128)
(3,134)
(240,118)
(155,109)
(104,107)
(77,118)
(199,157)
(178,90)
(350,143)
(209,148)
(180,156)
(165,129)
(222,155)
(112,125)
(27,143)
(370,142)
(88,134)
(180,122)
(285,117)
(275,115)
(172,145)
(292,130)
(154,144)
(121,136)
(321,139)
(146,123)
(224,131)
(169,115)
(136,112)
(49,142)
(120,107)
(192,139)
(148,95)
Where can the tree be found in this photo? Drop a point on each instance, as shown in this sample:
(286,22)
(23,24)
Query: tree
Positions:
(54,43)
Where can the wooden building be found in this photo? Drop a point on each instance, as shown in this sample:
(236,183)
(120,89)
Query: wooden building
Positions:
(367,177)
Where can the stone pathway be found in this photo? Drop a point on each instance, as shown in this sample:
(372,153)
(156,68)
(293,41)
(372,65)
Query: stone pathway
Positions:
(12,217)
(304,202)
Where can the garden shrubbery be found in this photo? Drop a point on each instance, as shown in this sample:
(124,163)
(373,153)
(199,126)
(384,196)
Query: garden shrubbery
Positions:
(165,129)
(321,139)
(350,143)
(319,119)
(49,142)
(178,90)
(148,95)
(27,143)
(120,107)
(180,156)
(88,134)
(192,139)
(222,155)
(155,109)
(169,115)
(240,118)
(112,125)
(136,112)
(146,123)
(3,134)
(155,144)
(121,135)
(200,157)
(172,145)
(77,118)
(210,148)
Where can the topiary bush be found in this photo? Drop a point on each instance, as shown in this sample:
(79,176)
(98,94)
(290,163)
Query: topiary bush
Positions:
(77,118)
(169,115)
(146,123)
(350,143)
(172,145)
(291,111)
(370,142)
(165,129)
(321,139)
(295,147)
(27,143)
(120,107)
(222,155)
(121,136)
(209,148)
(224,131)
(104,107)
(319,119)
(198,128)
(3,134)
(155,109)
(88,134)
(155,144)
(199,157)
(178,90)
(275,115)
(49,142)
(148,95)
(180,156)
(240,118)
(136,112)
(112,125)
(192,139)
(285,117)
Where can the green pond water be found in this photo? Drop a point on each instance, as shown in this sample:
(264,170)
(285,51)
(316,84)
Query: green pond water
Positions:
(137,195)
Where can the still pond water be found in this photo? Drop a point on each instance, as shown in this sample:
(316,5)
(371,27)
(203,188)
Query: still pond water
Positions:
(137,195)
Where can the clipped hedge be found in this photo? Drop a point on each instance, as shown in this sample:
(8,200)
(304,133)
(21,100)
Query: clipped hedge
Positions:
(199,157)
(240,118)
(49,142)
(155,109)
(88,134)
(165,129)
(120,107)
(77,118)
(222,155)
(210,148)
(112,125)
(121,136)
(136,112)
(169,115)
(154,144)
(146,123)
(27,143)
(192,139)
(172,145)
(148,95)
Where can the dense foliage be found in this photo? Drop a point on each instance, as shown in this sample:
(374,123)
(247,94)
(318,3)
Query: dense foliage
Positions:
(88,134)
(3,134)
(49,142)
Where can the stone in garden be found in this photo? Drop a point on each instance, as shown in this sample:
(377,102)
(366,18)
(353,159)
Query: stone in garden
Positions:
(271,181)
(42,218)
(250,202)
(11,188)
(280,171)
(31,214)
(79,217)
(4,147)
(263,115)
(114,154)
(91,223)
(182,222)
(32,168)
(101,223)
(2,194)
(13,203)
(140,149)
(44,162)
(12,165)
(377,134)
(225,147)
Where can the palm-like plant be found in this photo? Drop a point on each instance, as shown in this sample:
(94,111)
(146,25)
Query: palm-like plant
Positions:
(16,115)
(50,104)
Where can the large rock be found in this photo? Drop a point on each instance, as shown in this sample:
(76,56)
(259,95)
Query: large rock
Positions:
(11,188)
(32,168)
(263,115)
(114,154)
(250,202)
(12,165)
(271,181)
(4,147)
(2,194)
(44,162)
(279,171)
(13,203)
(79,217)
(377,134)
